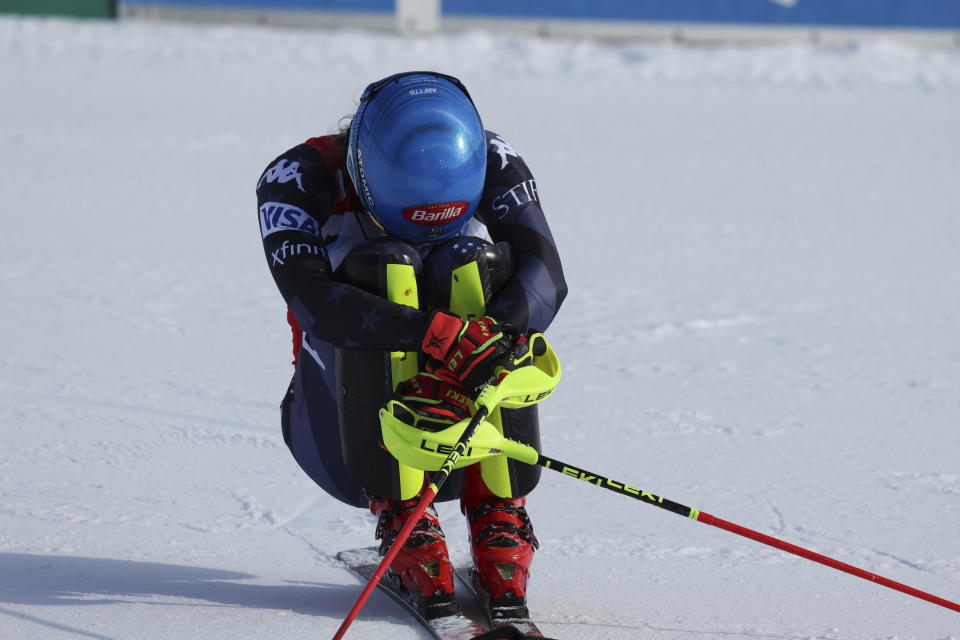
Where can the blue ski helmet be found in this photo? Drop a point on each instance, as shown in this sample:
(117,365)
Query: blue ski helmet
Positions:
(417,155)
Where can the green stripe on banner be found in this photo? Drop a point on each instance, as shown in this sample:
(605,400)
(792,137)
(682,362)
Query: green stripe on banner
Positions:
(72,8)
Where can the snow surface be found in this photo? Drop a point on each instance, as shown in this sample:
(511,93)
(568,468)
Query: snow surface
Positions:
(763,252)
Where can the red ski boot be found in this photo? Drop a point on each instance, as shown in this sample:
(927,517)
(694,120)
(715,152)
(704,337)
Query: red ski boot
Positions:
(422,568)
(502,542)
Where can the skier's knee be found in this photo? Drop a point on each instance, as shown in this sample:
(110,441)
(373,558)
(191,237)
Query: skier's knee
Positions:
(494,267)
(364,378)
(366,265)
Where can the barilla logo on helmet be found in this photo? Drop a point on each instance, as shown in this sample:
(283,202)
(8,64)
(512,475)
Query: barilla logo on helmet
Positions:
(431,215)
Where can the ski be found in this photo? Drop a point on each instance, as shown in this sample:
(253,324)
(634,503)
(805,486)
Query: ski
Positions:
(497,619)
(457,626)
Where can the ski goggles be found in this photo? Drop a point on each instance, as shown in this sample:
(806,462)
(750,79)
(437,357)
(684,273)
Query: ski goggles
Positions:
(374,87)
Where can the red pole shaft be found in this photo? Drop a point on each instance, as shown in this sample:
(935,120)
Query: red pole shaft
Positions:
(706,518)
(428,495)
(425,499)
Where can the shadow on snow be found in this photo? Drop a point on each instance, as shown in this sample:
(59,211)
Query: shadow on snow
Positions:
(39,580)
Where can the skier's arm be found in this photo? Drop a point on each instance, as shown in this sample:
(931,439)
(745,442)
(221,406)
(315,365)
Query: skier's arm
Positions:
(295,196)
(511,210)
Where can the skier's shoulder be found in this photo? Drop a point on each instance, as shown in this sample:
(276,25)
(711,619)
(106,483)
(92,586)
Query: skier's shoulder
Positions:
(304,171)
(509,186)
(297,189)
(502,157)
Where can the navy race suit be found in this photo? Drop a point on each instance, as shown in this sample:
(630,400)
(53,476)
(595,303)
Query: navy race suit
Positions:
(311,218)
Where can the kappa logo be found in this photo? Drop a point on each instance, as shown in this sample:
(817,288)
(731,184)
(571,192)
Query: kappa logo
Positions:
(276,216)
(504,149)
(431,215)
(283,174)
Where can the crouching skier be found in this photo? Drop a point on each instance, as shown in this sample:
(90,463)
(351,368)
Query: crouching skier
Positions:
(394,245)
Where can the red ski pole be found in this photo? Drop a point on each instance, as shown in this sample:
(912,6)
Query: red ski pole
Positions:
(428,495)
(706,518)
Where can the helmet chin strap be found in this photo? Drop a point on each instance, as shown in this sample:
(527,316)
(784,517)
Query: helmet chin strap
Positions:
(377,222)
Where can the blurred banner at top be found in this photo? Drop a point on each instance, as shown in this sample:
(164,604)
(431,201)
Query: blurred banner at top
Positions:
(74,8)
(929,14)
(680,20)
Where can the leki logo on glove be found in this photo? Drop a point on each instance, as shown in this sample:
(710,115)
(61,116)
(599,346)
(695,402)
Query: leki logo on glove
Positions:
(455,396)
(431,215)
